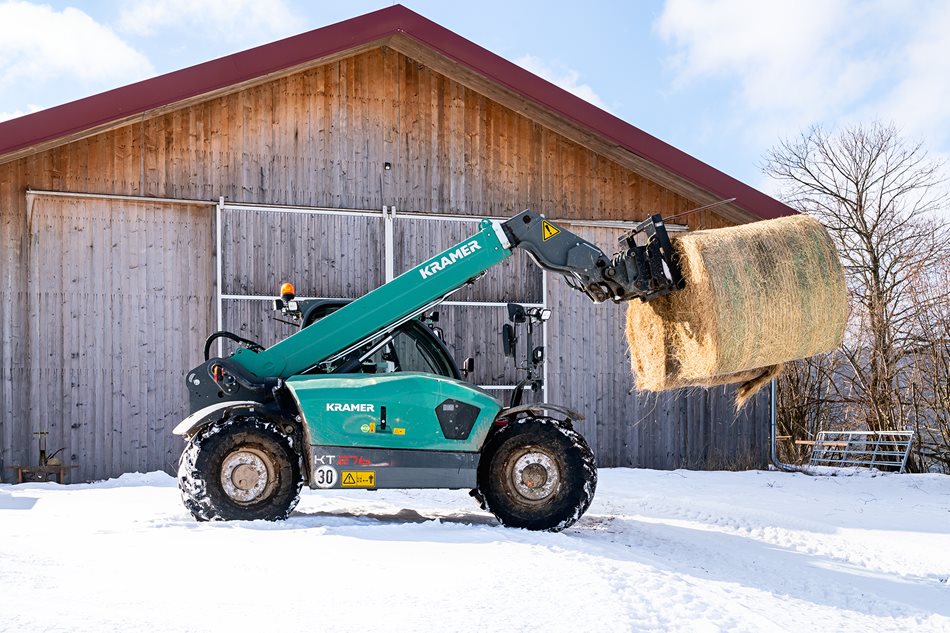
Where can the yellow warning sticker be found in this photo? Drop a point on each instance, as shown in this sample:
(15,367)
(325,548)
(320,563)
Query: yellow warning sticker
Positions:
(548,230)
(358,479)
(397,431)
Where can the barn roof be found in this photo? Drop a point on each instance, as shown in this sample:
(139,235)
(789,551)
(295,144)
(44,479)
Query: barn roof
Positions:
(414,35)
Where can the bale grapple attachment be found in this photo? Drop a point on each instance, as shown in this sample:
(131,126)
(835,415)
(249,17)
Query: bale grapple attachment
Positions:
(644,268)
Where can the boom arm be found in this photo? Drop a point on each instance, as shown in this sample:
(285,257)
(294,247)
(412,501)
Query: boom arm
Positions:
(644,268)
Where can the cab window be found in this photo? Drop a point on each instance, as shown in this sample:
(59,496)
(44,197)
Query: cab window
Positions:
(412,356)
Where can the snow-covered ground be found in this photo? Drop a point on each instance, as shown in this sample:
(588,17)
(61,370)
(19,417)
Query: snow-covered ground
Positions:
(658,551)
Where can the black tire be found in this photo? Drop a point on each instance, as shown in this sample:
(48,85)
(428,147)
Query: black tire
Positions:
(537,474)
(240,469)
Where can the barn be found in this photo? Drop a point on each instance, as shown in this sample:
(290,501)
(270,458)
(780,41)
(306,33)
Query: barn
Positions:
(135,222)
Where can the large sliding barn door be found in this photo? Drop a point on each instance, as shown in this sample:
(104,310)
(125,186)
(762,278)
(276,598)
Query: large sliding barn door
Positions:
(121,298)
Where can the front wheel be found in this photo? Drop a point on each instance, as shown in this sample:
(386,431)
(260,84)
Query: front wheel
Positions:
(244,468)
(537,474)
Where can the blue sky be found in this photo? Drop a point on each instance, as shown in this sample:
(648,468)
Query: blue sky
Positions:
(721,79)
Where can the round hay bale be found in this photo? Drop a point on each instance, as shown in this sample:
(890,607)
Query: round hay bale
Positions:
(756,295)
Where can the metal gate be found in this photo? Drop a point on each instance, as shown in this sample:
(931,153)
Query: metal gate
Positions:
(345,253)
(884,450)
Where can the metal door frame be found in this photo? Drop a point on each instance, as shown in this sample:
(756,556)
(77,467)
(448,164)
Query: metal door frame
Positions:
(388,215)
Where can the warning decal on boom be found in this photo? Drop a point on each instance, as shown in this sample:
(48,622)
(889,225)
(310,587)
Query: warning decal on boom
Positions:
(548,230)
(358,479)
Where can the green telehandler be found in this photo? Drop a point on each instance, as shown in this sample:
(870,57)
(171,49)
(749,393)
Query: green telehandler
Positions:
(363,397)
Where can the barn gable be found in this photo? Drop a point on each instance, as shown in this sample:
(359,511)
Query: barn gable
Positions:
(105,299)
(321,137)
(420,39)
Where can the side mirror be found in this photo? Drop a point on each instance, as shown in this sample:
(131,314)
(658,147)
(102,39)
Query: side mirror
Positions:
(439,334)
(508,339)
(468,366)
(516,313)
(537,355)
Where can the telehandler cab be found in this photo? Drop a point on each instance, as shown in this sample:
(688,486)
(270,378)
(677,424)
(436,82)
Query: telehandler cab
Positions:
(364,396)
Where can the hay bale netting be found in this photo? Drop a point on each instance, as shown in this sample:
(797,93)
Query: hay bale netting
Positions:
(756,295)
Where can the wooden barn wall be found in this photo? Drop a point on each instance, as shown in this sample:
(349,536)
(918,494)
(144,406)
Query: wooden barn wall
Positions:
(686,428)
(316,138)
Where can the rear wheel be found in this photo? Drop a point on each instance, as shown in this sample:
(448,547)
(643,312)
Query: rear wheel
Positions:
(241,469)
(537,474)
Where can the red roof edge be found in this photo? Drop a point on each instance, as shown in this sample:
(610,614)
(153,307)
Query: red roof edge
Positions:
(76,116)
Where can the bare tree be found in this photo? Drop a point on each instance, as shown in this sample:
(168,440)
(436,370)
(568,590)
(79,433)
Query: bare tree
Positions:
(930,380)
(808,397)
(876,194)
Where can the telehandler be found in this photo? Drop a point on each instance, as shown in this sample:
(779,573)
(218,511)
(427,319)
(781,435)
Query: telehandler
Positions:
(362,396)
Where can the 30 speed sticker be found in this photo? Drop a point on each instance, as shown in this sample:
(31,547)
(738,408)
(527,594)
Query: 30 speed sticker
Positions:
(325,477)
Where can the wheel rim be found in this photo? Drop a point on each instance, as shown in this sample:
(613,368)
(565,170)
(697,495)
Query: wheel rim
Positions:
(535,475)
(247,475)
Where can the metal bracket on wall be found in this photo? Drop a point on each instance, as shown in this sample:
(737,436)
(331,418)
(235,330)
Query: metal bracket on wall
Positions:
(389,219)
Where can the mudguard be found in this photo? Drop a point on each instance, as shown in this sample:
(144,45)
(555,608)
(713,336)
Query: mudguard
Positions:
(203,417)
(539,409)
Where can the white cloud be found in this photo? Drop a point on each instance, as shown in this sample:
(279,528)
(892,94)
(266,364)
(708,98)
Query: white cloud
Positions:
(563,77)
(6,116)
(38,43)
(238,18)
(790,65)
(919,100)
(795,64)
(794,61)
